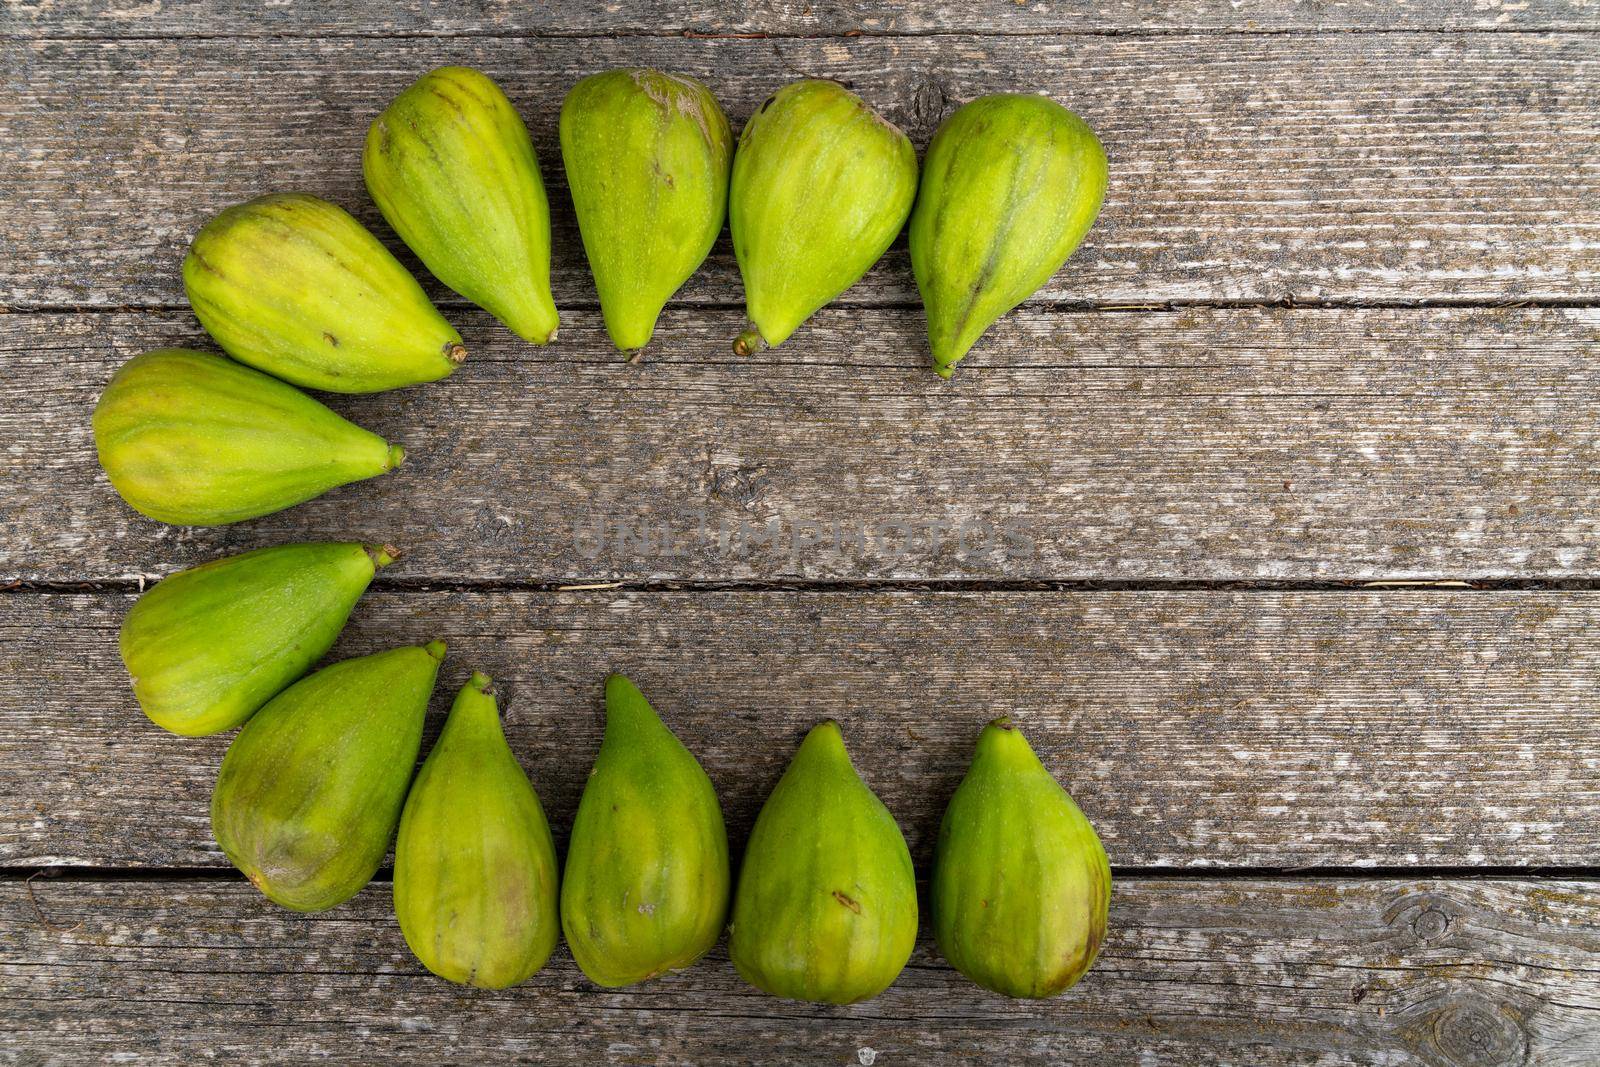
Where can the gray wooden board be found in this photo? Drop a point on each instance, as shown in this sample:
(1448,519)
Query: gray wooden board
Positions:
(1394,167)
(1206,729)
(1202,444)
(136,18)
(1257,972)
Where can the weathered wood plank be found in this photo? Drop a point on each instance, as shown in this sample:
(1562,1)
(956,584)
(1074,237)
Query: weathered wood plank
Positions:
(1264,730)
(1213,444)
(131,18)
(1341,166)
(1261,972)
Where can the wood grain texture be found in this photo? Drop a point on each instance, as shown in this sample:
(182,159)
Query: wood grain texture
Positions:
(1260,972)
(1263,730)
(138,18)
(1355,167)
(1199,444)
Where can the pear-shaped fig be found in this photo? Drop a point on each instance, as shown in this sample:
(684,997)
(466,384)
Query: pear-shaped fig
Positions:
(647,157)
(826,908)
(196,439)
(646,885)
(821,185)
(474,868)
(209,645)
(1021,885)
(1010,185)
(451,167)
(294,286)
(311,789)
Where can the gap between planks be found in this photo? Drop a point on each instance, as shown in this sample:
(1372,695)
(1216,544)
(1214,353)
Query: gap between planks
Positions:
(1345,872)
(821,35)
(1055,307)
(875,586)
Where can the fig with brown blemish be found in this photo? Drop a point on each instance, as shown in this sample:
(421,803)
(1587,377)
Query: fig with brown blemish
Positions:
(826,908)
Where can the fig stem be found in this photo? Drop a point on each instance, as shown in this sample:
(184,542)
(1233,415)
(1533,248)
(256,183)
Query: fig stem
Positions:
(748,342)
(455,352)
(382,555)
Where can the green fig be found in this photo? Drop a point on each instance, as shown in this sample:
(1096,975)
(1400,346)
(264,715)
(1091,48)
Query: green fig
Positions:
(1010,185)
(209,645)
(450,165)
(475,875)
(647,157)
(646,886)
(826,908)
(821,185)
(294,286)
(311,789)
(1021,885)
(196,439)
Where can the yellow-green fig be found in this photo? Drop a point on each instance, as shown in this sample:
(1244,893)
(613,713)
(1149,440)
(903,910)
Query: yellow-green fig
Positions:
(821,186)
(195,439)
(475,876)
(646,885)
(826,908)
(310,790)
(209,645)
(294,286)
(450,165)
(1021,885)
(647,157)
(1010,185)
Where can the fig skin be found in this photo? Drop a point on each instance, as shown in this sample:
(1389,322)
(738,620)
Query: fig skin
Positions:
(475,874)
(647,156)
(451,167)
(647,878)
(1010,186)
(821,186)
(826,907)
(195,439)
(208,646)
(311,789)
(294,286)
(1021,886)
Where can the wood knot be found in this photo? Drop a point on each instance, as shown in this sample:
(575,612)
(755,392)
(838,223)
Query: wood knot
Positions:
(1477,1032)
(927,106)
(1425,915)
(1430,924)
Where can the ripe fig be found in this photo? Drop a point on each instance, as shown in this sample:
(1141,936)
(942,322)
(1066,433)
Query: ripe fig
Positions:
(1021,885)
(196,439)
(1010,185)
(646,886)
(311,789)
(294,286)
(209,645)
(474,868)
(826,908)
(821,185)
(647,157)
(451,167)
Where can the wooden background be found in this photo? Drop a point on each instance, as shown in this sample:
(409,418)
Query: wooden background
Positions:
(1301,446)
